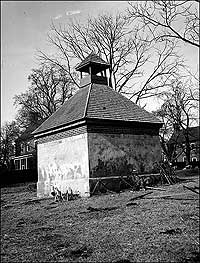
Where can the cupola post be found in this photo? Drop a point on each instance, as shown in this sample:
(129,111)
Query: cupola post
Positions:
(92,66)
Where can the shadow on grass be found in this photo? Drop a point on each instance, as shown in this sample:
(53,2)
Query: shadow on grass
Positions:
(172,231)
(93,209)
(131,204)
(83,251)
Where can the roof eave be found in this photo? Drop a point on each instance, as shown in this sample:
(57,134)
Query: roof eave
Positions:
(82,65)
(72,124)
(122,121)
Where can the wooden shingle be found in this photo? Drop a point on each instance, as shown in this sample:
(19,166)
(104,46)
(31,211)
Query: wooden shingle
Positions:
(97,101)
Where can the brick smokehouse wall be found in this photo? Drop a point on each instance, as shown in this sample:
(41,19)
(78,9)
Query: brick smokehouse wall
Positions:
(115,151)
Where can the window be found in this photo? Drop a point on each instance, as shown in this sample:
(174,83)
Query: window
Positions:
(13,147)
(192,145)
(28,147)
(17,164)
(23,148)
(194,159)
(184,159)
(30,163)
(23,164)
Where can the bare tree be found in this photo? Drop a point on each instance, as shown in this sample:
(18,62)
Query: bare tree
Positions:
(164,66)
(127,49)
(170,152)
(49,88)
(9,133)
(168,19)
(193,83)
(107,35)
(178,113)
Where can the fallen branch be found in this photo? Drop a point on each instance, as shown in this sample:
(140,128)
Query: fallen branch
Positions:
(159,197)
(191,189)
(140,196)
(185,179)
(154,188)
(171,197)
(163,196)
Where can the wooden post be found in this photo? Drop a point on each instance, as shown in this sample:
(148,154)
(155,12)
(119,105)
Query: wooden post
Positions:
(90,70)
(95,187)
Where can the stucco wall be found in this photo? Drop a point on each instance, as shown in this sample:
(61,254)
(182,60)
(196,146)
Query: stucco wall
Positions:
(117,154)
(63,163)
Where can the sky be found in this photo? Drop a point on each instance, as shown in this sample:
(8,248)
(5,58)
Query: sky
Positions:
(24,28)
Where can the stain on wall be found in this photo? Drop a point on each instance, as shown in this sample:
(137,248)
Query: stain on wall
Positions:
(63,163)
(119,154)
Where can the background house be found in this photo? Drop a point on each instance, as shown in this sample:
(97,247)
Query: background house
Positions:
(24,150)
(97,134)
(178,143)
(23,164)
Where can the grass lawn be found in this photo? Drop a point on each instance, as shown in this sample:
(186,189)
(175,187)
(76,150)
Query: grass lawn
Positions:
(147,230)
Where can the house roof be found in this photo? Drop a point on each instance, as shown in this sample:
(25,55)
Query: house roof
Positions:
(96,101)
(193,133)
(27,134)
(92,59)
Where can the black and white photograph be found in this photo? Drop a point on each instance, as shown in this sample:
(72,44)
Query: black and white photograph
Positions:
(99,153)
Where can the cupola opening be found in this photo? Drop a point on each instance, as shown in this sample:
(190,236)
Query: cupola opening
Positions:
(93,70)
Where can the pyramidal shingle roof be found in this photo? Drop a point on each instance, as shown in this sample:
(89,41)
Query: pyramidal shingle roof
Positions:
(96,101)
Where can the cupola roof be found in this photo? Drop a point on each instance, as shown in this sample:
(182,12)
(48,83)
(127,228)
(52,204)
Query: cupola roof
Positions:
(97,63)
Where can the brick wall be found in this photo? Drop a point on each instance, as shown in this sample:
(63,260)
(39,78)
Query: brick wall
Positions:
(116,151)
(109,128)
(63,134)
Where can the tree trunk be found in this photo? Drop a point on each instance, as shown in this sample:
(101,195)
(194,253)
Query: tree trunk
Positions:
(187,147)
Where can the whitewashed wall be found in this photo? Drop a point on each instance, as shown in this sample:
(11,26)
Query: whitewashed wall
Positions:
(63,163)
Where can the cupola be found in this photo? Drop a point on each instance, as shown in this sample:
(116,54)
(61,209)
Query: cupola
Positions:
(93,70)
